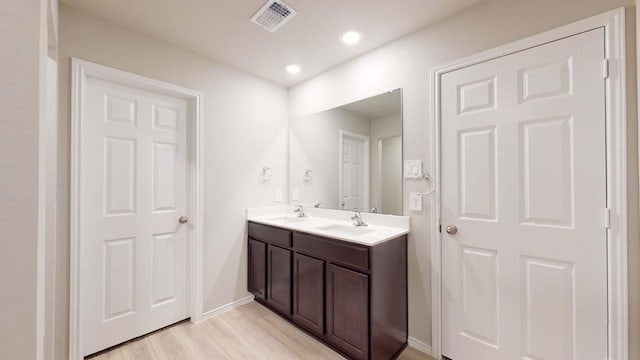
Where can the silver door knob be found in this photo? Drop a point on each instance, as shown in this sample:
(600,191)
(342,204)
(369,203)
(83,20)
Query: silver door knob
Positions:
(183,219)
(452,230)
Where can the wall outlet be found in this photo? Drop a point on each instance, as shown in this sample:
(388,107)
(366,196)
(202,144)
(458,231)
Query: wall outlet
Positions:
(278,195)
(295,196)
(415,201)
(412,169)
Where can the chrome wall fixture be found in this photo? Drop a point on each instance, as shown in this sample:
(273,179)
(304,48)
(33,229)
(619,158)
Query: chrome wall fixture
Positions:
(308,175)
(266,173)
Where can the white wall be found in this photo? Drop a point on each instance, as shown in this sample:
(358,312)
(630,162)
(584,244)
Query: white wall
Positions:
(315,145)
(245,128)
(23,40)
(405,64)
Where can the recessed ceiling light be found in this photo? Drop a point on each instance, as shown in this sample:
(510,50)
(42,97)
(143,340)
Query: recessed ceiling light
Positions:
(351,37)
(293,69)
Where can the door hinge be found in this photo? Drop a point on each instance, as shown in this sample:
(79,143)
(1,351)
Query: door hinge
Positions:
(607,218)
(440,225)
(605,68)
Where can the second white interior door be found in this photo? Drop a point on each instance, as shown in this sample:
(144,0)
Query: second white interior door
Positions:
(523,163)
(134,166)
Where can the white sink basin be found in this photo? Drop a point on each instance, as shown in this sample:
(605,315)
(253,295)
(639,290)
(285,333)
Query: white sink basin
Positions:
(345,229)
(289,219)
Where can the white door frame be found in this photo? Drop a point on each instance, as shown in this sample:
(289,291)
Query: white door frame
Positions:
(616,127)
(81,70)
(366,158)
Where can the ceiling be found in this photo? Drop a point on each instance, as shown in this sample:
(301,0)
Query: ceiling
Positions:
(377,107)
(221,30)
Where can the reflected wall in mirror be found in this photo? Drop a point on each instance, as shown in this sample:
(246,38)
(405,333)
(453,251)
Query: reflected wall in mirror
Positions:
(350,157)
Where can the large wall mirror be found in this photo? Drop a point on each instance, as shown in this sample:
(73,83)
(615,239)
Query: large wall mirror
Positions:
(350,157)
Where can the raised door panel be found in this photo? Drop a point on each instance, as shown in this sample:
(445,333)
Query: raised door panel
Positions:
(308,293)
(479,295)
(165,260)
(477,174)
(118,283)
(119,176)
(547,175)
(164,176)
(279,279)
(348,311)
(120,110)
(549,315)
(257,282)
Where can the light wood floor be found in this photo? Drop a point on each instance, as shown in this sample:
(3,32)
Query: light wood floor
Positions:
(248,332)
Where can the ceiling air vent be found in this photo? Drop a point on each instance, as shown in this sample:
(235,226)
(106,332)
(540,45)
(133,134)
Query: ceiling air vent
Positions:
(273,15)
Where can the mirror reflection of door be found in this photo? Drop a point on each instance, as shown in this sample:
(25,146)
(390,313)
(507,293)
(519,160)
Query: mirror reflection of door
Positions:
(390,157)
(353,179)
(354,184)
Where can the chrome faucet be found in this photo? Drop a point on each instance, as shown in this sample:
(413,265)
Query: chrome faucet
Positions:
(300,210)
(357,219)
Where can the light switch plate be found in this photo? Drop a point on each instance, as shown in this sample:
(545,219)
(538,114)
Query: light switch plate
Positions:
(295,196)
(278,195)
(415,201)
(412,169)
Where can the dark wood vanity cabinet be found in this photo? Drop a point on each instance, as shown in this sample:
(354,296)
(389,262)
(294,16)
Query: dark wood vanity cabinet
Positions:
(352,297)
(279,279)
(347,313)
(270,271)
(257,281)
(308,293)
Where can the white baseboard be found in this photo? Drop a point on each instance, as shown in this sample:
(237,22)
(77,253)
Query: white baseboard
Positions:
(420,346)
(224,308)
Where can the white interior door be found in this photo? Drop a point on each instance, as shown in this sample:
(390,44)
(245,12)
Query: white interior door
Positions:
(354,184)
(523,180)
(133,263)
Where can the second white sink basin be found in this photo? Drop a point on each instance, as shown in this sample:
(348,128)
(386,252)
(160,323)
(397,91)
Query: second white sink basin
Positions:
(345,229)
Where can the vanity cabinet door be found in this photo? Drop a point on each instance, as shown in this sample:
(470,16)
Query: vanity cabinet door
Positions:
(279,279)
(257,282)
(348,311)
(308,293)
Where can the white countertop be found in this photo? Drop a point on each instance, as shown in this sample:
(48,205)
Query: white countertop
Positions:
(332,225)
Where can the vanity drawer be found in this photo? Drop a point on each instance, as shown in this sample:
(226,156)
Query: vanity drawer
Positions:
(270,234)
(344,253)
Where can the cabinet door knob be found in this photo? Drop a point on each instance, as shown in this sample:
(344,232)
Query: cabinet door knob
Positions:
(452,230)
(183,219)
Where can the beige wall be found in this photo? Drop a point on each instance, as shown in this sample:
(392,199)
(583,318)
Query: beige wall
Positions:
(23,40)
(405,64)
(245,128)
